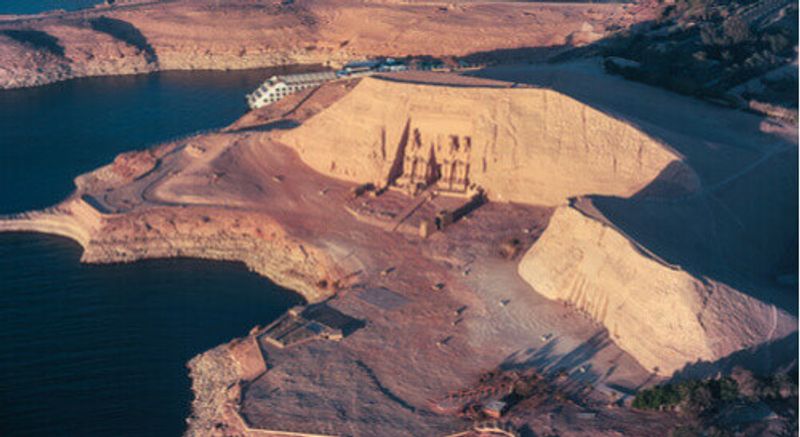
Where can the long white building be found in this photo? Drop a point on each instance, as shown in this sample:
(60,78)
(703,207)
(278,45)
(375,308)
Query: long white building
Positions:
(277,87)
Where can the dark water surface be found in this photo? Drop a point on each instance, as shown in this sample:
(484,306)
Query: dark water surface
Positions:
(36,6)
(93,350)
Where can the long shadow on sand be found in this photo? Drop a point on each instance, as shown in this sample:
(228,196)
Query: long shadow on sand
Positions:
(546,361)
(762,359)
(36,39)
(273,125)
(127,33)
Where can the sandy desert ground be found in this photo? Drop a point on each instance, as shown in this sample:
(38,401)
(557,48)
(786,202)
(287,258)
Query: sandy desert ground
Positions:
(631,236)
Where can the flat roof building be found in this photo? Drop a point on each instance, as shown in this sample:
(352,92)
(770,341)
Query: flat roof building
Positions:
(277,87)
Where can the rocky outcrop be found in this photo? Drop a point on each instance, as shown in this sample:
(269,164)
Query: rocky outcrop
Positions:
(80,52)
(257,240)
(520,144)
(216,383)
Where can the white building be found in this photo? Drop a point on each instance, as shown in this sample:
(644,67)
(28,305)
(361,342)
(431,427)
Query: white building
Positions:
(277,87)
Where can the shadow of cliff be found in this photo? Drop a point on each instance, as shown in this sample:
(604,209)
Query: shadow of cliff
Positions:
(673,181)
(575,363)
(127,33)
(515,55)
(743,234)
(37,40)
(284,124)
(763,359)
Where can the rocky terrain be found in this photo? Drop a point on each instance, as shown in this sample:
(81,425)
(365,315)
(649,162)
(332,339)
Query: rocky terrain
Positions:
(741,54)
(140,37)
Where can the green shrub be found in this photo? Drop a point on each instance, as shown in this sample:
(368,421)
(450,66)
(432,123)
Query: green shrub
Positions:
(656,398)
(697,396)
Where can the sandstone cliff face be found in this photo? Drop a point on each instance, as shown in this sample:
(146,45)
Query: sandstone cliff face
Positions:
(660,314)
(520,144)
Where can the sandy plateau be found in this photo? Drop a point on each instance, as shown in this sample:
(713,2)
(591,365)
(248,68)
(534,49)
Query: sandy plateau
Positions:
(630,236)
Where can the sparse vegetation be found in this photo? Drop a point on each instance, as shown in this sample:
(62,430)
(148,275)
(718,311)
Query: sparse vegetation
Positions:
(696,396)
(707,404)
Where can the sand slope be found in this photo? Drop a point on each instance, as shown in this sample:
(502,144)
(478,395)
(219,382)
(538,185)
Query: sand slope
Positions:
(521,144)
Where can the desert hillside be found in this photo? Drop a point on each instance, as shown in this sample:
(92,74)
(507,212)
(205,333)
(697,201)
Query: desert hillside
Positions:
(186,35)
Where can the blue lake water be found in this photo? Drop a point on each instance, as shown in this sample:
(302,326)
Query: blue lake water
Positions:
(100,350)
(36,6)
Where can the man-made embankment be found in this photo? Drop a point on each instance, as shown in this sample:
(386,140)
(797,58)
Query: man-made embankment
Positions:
(520,144)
